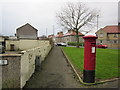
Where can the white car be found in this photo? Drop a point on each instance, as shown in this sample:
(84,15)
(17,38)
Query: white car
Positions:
(61,44)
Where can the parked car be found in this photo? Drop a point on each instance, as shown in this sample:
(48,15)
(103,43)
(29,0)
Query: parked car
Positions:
(55,44)
(61,44)
(100,46)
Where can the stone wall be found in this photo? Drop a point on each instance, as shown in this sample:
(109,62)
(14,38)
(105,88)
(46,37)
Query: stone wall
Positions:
(21,66)
(11,72)
(23,44)
(0,77)
(28,61)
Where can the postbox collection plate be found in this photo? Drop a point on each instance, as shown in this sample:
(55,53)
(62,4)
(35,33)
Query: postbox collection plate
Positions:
(93,49)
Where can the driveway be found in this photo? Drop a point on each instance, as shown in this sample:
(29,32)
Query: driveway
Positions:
(55,72)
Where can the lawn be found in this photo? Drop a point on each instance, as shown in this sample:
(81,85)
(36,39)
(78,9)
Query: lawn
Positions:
(106,61)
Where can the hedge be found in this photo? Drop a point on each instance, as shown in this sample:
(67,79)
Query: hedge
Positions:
(75,43)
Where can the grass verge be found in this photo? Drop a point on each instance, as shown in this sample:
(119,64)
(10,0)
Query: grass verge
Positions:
(106,61)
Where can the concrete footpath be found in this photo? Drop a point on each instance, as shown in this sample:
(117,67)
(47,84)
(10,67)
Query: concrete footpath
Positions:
(55,72)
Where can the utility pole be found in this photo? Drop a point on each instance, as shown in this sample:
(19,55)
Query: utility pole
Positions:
(53,34)
(53,31)
(97,22)
(46,32)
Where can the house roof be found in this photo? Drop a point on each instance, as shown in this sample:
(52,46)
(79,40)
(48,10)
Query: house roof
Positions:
(112,29)
(69,33)
(72,33)
(51,36)
(60,35)
(26,25)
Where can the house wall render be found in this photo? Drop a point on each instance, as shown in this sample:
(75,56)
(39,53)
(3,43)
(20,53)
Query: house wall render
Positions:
(28,61)
(25,44)
(21,66)
(27,31)
(10,73)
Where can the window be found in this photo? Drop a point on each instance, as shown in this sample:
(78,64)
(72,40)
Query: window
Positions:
(101,35)
(115,41)
(115,35)
(110,41)
(100,41)
(67,39)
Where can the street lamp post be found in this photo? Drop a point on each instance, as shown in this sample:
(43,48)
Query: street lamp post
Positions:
(97,22)
(46,32)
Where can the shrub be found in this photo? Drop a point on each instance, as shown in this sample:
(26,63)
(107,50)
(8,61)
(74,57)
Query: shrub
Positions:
(75,43)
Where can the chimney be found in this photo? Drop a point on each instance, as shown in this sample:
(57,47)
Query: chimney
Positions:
(73,30)
(58,33)
(69,31)
(61,32)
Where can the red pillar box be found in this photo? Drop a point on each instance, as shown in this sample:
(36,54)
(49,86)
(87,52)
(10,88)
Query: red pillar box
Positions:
(89,58)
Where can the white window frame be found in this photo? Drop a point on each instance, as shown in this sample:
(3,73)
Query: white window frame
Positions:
(101,35)
(115,35)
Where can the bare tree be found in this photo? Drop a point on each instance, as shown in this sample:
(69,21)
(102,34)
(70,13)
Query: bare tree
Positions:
(75,16)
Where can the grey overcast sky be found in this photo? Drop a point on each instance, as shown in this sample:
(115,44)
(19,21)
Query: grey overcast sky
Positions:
(41,14)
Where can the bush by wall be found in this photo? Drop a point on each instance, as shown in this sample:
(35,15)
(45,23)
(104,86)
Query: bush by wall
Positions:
(75,43)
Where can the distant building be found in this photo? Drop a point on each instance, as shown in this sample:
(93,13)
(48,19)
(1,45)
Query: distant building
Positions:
(12,38)
(59,37)
(51,36)
(70,36)
(1,39)
(109,35)
(43,37)
(27,32)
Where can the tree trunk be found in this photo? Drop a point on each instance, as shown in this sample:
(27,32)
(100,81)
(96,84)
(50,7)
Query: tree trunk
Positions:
(77,38)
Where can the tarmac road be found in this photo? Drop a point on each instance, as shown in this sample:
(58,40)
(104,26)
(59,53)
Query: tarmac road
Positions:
(55,72)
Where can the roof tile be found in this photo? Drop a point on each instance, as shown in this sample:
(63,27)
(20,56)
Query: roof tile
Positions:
(112,29)
(72,33)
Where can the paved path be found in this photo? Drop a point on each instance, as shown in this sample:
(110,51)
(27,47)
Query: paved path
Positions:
(56,73)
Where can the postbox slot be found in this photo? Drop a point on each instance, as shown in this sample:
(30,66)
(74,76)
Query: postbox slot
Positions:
(93,43)
(90,41)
